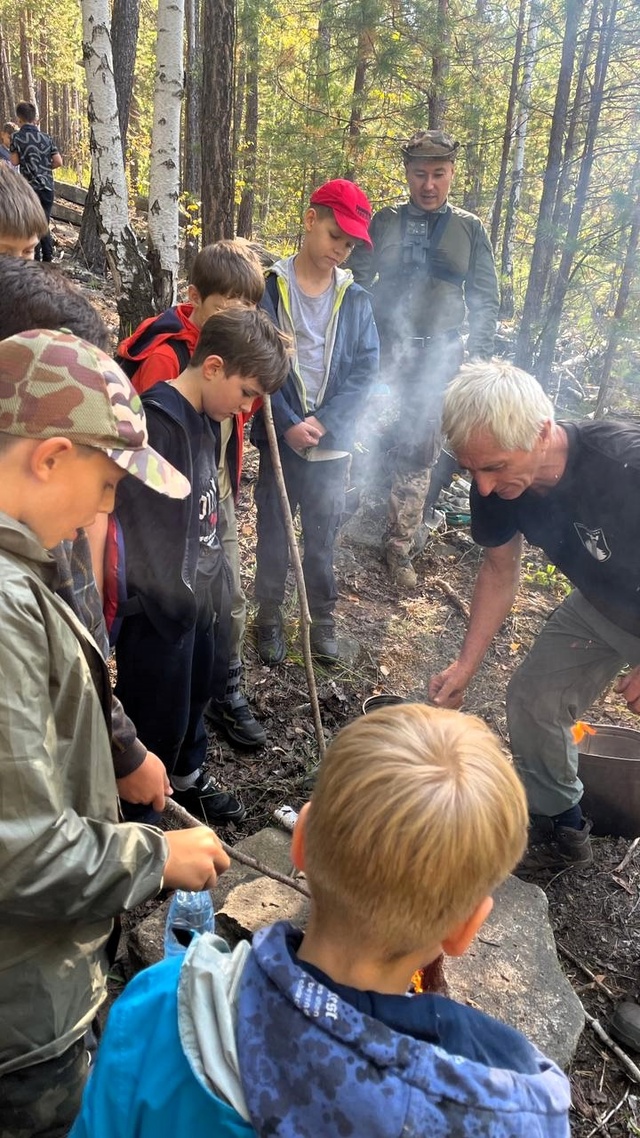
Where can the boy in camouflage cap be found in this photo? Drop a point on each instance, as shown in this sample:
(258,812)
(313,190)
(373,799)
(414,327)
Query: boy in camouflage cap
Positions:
(70,428)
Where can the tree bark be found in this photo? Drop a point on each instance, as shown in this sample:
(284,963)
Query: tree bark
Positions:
(553,313)
(28,86)
(364,57)
(217,97)
(6,85)
(507,137)
(529,325)
(128,266)
(244,224)
(164,174)
(628,275)
(437,102)
(507,304)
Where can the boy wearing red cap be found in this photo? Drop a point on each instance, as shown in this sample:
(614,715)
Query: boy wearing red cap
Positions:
(335,359)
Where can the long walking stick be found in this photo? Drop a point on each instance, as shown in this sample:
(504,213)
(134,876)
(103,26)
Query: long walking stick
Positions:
(305,615)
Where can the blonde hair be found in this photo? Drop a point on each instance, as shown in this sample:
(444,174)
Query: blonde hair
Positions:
(415,818)
(21,215)
(496,397)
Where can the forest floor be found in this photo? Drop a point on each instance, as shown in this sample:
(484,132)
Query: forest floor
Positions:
(404,640)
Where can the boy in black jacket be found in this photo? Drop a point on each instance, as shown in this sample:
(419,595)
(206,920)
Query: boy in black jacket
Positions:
(174,560)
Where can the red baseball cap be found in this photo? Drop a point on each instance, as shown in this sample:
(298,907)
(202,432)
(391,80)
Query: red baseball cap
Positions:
(349,204)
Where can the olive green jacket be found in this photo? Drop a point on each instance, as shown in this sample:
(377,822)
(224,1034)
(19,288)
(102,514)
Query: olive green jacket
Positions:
(67,866)
(407,303)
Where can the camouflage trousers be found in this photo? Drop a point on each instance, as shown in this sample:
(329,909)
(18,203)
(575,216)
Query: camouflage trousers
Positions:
(404,510)
(43,1100)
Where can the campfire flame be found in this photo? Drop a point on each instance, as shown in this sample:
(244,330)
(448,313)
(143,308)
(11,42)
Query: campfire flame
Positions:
(580,729)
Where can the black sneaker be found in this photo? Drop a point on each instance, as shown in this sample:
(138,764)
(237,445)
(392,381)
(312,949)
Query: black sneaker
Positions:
(205,800)
(270,641)
(233,716)
(324,644)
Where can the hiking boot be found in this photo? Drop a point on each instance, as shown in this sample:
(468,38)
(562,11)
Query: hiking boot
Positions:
(324,645)
(401,570)
(624,1024)
(270,641)
(233,716)
(567,848)
(205,800)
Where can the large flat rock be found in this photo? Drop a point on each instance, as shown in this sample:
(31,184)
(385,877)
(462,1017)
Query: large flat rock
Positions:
(511,970)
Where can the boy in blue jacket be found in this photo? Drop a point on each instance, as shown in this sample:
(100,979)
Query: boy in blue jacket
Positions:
(336,356)
(415,819)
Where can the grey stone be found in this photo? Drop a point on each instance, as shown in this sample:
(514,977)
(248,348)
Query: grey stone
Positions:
(251,905)
(366,527)
(271,846)
(511,971)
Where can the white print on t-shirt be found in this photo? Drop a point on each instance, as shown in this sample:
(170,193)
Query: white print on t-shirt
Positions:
(594,542)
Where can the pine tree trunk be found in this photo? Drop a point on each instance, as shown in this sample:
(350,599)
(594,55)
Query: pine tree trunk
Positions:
(6,84)
(507,302)
(126,262)
(529,325)
(364,59)
(164,175)
(217,97)
(439,67)
(244,224)
(28,86)
(192,105)
(553,314)
(628,275)
(507,136)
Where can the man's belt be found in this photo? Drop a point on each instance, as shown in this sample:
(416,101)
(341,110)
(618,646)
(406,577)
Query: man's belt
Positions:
(425,341)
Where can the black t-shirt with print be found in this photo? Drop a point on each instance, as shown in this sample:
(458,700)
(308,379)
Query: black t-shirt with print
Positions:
(588,524)
(35,150)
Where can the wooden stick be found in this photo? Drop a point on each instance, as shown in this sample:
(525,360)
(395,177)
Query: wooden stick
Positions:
(630,1067)
(601,1125)
(185,821)
(628,856)
(446,588)
(583,968)
(305,615)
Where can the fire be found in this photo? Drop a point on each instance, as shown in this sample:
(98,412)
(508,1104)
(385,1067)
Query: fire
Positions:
(580,729)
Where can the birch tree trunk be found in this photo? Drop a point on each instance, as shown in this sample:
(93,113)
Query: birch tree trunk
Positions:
(164,174)
(126,262)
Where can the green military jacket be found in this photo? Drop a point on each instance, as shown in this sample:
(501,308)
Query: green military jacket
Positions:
(410,303)
(67,866)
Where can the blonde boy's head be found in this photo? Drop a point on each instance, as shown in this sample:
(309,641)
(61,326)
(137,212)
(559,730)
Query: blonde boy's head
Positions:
(416,817)
(22,218)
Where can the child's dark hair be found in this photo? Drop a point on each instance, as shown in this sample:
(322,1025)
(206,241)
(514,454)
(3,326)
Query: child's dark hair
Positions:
(32,295)
(9,128)
(323,211)
(27,112)
(21,215)
(230,268)
(248,344)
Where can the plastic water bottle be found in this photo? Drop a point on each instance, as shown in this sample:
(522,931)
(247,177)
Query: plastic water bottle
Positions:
(190,914)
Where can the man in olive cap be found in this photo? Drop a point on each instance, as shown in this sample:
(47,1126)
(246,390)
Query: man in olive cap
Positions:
(431,265)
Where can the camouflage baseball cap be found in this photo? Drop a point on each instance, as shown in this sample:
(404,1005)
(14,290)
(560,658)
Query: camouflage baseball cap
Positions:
(53,383)
(430,144)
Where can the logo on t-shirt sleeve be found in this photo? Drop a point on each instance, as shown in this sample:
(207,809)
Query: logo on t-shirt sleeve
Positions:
(594,542)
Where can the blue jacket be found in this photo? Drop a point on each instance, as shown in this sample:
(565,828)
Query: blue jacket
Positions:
(352,354)
(254,1028)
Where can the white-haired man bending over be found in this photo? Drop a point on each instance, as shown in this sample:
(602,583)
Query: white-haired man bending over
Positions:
(572,489)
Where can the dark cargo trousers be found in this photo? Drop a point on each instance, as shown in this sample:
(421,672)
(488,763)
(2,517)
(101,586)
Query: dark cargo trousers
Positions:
(575,657)
(318,489)
(421,368)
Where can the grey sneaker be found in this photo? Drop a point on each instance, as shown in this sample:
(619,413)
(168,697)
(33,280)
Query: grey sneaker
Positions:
(567,848)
